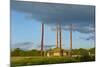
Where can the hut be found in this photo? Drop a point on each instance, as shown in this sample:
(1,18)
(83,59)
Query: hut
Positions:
(57,52)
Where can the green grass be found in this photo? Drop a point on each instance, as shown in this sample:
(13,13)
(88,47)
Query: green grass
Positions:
(24,61)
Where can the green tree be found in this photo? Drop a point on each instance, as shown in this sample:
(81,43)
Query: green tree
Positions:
(92,50)
(83,52)
(16,52)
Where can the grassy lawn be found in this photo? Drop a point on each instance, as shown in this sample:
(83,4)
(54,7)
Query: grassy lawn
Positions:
(24,61)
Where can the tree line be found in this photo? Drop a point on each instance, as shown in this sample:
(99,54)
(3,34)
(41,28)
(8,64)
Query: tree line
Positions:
(34,52)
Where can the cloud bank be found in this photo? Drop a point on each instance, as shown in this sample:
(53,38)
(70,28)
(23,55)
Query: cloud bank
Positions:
(81,16)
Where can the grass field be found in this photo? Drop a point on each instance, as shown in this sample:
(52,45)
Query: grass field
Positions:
(24,61)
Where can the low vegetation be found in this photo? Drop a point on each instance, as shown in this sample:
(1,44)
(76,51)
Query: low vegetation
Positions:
(32,57)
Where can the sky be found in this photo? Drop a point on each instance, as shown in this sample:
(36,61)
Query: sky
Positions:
(26,25)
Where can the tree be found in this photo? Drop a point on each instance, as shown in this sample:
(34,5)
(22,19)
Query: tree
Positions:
(16,52)
(19,52)
(92,50)
(83,52)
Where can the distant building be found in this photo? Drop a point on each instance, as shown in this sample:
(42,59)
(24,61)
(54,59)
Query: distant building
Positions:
(57,52)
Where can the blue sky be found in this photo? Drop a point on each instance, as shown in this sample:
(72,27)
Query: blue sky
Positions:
(29,30)
(26,19)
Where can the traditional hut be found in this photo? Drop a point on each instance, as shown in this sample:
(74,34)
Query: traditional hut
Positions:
(57,52)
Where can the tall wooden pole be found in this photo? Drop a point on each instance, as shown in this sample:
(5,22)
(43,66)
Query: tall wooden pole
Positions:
(70,40)
(60,34)
(42,40)
(57,36)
